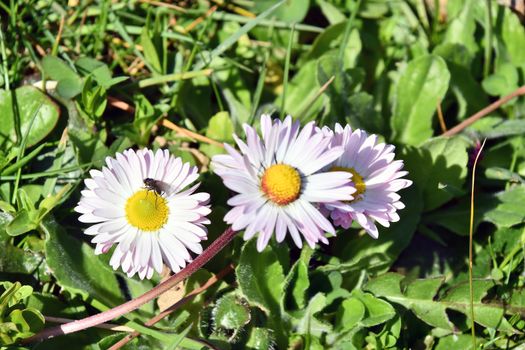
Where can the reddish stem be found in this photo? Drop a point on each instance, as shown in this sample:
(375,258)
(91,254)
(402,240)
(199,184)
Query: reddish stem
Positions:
(174,307)
(490,108)
(131,305)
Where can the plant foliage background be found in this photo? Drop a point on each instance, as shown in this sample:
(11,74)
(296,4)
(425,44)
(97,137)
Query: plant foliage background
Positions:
(114,71)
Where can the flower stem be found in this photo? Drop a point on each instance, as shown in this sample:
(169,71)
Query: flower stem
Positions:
(174,307)
(470,251)
(133,304)
(489,109)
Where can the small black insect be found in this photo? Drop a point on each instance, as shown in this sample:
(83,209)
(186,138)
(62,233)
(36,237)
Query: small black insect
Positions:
(154,185)
(160,188)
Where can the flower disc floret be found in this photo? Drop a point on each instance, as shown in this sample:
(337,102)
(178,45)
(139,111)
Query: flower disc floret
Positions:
(147,210)
(281,183)
(357,181)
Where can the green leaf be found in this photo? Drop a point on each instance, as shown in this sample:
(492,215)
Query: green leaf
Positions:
(329,41)
(150,52)
(331,12)
(220,128)
(261,280)
(468,91)
(503,209)
(38,115)
(17,260)
(501,128)
(301,92)
(307,323)
(420,88)
(76,267)
(344,103)
(291,11)
(377,311)
(351,312)
(260,276)
(178,339)
(27,320)
(50,305)
(503,81)
(69,83)
(436,166)
(23,222)
(456,342)
(297,282)
(420,297)
(509,211)
(513,35)
(462,29)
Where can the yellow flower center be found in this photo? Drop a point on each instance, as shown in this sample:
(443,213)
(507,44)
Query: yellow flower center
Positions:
(147,210)
(281,183)
(357,180)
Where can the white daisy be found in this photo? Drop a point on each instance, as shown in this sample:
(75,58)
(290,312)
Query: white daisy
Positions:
(278,182)
(152,221)
(376,176)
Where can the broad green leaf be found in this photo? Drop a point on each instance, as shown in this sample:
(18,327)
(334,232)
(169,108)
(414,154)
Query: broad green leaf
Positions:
(351,312)
(469,94)
(331,12)
(17,260)
(261,279)
(306,321)
(503,81)
(291,11)
(191,95)
(38,115)
(438,168)
(150,52)
(297,282)
(420,296)
(487,315)
(377,311)
(301,93)
(57,69)
(509,210)
(220,128)
(23,222)
(330,40)
(420,88)
(456,342)
(69,83)
(513,35)
(461,29)
(342,91)
(234,89)
(28,320)
(76,267)
(50,305)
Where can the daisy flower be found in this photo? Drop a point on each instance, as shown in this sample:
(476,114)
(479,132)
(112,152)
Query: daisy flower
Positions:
(278,182)
(140,202)
(376,176)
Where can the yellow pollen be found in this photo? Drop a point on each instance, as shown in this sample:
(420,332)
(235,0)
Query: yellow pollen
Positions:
(281,183)
(147,210)
(357,180)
